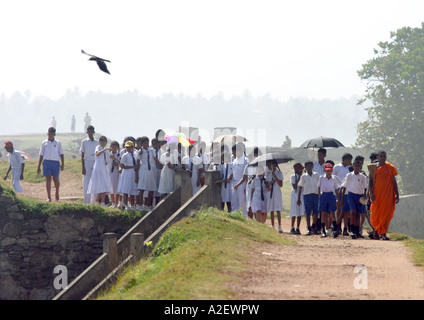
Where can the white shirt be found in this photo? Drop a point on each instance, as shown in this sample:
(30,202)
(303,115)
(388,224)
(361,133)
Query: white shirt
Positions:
(309,183)
(318,168)
(239,164)
(15,159)
(355,183)
(88,147)
(328,185)
(340,171)
(51,150)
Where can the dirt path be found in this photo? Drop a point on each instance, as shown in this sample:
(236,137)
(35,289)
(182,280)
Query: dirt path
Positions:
(316,268)
(323,268)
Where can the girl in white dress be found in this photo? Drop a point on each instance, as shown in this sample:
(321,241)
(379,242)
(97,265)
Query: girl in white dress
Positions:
(274,178)
(296,211)
(226,170)
(100,183)
(127,183)
(258,195)
(114,160)
(146,174)
(170,165)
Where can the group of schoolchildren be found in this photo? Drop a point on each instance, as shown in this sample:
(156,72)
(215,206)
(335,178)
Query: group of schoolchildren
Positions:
(143,172)
(330,194)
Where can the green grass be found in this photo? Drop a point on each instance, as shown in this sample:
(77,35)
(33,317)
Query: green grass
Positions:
(30,171)
(416,245)
(195,259)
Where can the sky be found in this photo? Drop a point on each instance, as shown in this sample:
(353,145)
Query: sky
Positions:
(287,49)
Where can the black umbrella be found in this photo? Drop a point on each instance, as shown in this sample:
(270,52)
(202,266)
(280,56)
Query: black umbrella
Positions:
(322,142)
(277,156)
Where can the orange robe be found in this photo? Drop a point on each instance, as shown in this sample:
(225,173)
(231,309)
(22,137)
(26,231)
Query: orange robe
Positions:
(383,207)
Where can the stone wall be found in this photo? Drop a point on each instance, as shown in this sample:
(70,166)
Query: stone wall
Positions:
(409,216)
(31,247)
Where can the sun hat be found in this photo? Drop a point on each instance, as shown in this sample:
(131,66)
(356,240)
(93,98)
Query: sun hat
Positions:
(328,166)
(8,144)
(129,144)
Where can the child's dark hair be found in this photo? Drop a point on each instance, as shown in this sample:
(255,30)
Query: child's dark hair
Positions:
(322,150)
(51,130)
(308,163)
(347,156)
(331,162)
(360,158)
(373,156)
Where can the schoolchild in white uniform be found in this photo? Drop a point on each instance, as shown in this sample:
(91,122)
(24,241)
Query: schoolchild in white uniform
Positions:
(157,167)
(16,165)
(100,183)
(296,211)
(53,160)
(258,200)
(114,160)
(146,176)
(225,167)
(88,150)
(328,187)
(356,185)
(171,164)
(238,195)
(194,164)
(319,164)
(340,171)
(274,180)
(127,183)
(308,196)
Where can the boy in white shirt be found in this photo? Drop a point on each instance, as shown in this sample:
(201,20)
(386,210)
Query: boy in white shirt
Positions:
(16,165)
(340,171)
(328,187)
(51,154)
(308,185)
(356,184)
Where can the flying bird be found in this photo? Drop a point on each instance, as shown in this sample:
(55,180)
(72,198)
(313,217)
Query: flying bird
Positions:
(100,62)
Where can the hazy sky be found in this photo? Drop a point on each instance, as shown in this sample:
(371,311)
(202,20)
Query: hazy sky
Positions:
(287,48)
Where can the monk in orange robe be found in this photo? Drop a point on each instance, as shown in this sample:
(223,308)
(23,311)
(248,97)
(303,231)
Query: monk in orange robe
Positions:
(384,195)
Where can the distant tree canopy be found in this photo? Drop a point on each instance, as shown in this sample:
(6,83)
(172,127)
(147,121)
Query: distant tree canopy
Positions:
(395,88)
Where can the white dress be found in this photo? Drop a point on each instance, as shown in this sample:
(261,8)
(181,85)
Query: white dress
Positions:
(295,210)
(257,204)
(194,164)
(127,184)
(275,196)
(146,173)
(167,175)
(100,178)
(226,171)
(114,173)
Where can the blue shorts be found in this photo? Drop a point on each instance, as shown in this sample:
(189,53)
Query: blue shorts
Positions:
(311,203)
(354,204)
(327,202)
(51,168)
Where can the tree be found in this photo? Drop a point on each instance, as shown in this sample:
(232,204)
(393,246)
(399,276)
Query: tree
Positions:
(395,87)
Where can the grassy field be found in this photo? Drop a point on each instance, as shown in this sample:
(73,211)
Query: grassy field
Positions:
(195,259)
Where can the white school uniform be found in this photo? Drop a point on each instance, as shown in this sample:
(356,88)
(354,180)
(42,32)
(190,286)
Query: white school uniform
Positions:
(15,161)
(156,169)
(194,164)
(275,196)
(295,210)
(319,168)
(88,147)
(146,173)
(238,197)
(127,184)
(226,170)
(114,173)
(100,179)
(355,183)
(340,171)
(167,175)
(259,191)
(250,172)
